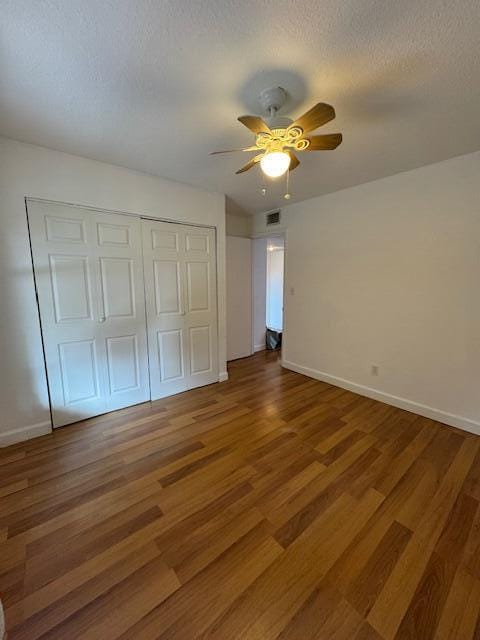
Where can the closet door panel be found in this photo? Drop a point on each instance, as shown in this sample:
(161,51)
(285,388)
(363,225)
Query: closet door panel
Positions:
(165,295)
(198,286)
(123,364)
(113,235)
(201,284)
(71,286)
(167,287)
(62,241)
(180,281)
(67,228)
(170,354)
(198,242)
(89,279)
(163,239)
(122,326)
(79,371)
(118,287)
(200,350)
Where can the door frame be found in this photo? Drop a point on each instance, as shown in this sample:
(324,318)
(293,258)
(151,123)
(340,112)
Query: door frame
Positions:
(139,216)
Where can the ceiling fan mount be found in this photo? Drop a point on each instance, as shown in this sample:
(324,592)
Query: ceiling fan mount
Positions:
(277,137)
(272,99)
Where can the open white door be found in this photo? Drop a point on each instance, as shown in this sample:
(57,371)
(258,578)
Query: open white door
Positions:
(89,279)
(181,297)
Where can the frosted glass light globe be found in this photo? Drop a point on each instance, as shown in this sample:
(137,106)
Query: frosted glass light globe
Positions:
(275,164)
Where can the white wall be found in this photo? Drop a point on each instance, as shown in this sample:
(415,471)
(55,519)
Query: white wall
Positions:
(239,297)
(237,225)
(388,273)
(259,283)
(26,170)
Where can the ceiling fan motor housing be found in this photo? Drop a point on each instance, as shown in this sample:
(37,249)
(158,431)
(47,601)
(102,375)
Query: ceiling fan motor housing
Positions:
(273,99)
(278,122)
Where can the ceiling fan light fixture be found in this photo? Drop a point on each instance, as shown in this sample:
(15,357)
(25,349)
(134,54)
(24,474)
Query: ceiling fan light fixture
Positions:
(277,138)
(275,163)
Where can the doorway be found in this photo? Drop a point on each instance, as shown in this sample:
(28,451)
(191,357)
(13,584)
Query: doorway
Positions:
(274,287)
(268,260)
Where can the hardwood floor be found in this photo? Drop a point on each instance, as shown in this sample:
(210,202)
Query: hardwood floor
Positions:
(269,506)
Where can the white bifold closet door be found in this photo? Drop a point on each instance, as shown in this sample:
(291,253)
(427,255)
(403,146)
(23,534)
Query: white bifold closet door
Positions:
(89,279)
(181,301)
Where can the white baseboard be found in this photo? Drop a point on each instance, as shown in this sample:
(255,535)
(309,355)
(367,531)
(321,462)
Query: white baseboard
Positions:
(25,433)
(223,376)
(402,403)
(259,347)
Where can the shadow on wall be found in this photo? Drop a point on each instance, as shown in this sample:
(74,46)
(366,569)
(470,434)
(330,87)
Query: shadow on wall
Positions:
(232,208)
(24,397)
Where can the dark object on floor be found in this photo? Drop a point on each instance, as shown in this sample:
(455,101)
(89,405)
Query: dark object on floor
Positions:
(273,339)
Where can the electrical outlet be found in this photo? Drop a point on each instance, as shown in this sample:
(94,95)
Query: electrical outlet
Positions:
(374,369)
(292,291)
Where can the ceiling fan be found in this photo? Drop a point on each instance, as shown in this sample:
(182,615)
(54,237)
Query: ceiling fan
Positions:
(278,137)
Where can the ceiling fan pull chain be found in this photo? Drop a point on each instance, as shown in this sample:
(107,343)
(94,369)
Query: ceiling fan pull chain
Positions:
(287,196)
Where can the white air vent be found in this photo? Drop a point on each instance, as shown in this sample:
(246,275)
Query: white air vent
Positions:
(273,217)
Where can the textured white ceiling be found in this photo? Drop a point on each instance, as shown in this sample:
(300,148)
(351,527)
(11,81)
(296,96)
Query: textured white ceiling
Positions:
(155,85)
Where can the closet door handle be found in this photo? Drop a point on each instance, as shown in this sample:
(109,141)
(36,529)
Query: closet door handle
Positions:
(102,319)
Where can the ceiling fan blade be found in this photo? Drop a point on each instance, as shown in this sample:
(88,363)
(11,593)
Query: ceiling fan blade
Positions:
(294,161)
(320,114)
(250,164)
(255,124)
(214,153)
(324,143)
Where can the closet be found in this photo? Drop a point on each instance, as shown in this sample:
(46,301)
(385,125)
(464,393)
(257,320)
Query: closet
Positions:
(128,307)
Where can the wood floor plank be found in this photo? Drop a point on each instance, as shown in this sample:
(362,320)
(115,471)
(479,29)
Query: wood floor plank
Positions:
(363,592)
(45,619)
(280,592)
(461,614)
(343,622)
(471,556)
(189,613)
(54,562)
(269,506)
(392,603)
(423,614)
(15,487)
(300,501)
(313,614)
(113,613)
(200,556)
